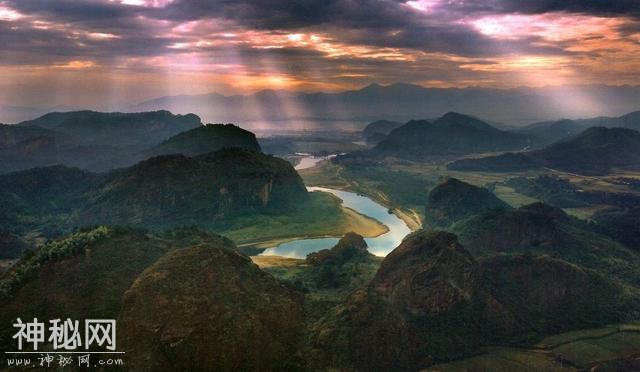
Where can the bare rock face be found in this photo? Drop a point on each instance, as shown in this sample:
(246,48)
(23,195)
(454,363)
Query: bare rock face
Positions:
(209,307)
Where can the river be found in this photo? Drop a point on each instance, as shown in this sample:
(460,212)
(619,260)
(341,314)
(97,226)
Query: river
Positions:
(379,246)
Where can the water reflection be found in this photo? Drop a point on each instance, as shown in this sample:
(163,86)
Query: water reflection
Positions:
(380,246)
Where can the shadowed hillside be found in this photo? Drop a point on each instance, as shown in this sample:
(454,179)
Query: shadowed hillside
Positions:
(454,200)
(207,138)
(449,135)
(596,151)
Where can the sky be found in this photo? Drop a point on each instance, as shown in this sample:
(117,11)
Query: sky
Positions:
(112,52)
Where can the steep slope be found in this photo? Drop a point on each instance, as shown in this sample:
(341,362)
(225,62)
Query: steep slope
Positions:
(432,301)
(454,200)
(161,192)
(207,138)
(345,266)
(173,189)
(208,307)
(83,275)
(450,135)
(115,128)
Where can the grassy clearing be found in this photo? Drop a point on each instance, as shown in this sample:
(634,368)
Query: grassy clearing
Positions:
(504,359)
(585,213)
(586,352)
(266,262)
(511,197)
(570,351)
(322,216)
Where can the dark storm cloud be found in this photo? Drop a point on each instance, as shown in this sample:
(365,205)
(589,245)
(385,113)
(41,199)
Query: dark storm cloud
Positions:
(593,7)
(375,23)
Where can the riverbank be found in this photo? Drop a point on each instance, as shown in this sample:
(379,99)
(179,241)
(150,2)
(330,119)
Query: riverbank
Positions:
(354,222)
(325,174)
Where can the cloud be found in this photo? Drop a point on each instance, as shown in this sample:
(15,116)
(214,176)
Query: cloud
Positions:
(322,43)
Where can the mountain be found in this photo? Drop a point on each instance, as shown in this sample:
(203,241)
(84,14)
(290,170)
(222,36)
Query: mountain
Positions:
(170,190)
(595,151)
(104,141)
(340,266)
(207,138)
(208,307)
(452,134)
(630,121)
(621,224)
(91,140)
(82,275)
(12,135)
(432,301)
(115,128)
(184,299)
(548,132)
(540,229)
(398,102)
(552,131)
(454,200)
(380,126)
(376,131)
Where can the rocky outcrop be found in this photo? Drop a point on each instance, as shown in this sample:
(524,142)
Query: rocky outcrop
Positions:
(351,246)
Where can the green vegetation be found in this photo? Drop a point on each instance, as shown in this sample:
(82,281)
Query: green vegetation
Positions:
(162,192)
(454,200)
(116,128)
(452,134)
(51,251)
(596,151)
(319,215)
(542,229)
(549,189)
(207,307)
(503,360)
(571,351)
(207,138)
(584,353)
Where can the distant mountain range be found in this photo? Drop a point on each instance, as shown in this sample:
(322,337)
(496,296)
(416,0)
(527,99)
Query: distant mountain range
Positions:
(400,102)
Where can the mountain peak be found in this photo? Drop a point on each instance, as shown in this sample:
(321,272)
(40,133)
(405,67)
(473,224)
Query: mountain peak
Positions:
(455,118)
(372,87)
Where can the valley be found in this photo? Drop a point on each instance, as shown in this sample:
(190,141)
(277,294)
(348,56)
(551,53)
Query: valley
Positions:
(377,258)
